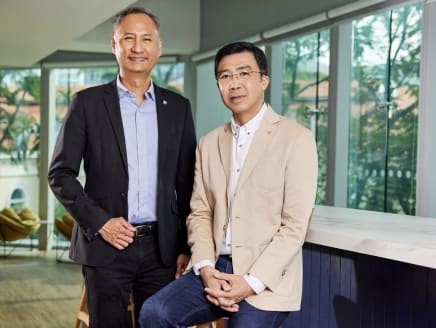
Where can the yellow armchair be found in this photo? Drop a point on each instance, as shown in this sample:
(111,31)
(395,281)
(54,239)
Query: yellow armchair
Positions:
(15,226)
(65,225)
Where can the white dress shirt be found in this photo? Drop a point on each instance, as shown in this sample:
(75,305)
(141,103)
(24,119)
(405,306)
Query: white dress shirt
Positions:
(242,138)
(141,135)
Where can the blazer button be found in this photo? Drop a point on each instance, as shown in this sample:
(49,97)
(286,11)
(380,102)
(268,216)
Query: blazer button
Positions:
(225,227)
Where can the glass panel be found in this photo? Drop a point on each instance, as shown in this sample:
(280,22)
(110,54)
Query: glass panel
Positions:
(170,76)
(305,86)
(384,111)
(67,82)
(19,137)
(70,80)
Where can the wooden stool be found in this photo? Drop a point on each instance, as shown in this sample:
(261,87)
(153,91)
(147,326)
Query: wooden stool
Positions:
(218,323)
(83,315)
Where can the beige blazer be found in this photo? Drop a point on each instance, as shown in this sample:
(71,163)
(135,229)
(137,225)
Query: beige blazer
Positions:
(271,208)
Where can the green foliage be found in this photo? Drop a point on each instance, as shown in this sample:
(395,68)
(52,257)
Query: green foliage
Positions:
(383,132)
(18,88)
(164,74)
(383,123)
(302,79)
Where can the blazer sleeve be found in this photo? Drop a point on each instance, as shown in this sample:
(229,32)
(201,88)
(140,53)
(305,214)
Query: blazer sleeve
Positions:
(200,221)
(299,197)
(64,169)
(185,174)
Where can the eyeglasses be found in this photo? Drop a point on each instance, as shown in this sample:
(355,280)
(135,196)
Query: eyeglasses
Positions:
(244,75)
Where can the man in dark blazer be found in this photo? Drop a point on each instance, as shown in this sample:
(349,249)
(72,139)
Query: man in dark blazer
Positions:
(137,142)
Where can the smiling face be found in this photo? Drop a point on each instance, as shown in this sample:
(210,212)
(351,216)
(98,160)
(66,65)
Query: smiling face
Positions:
(136,45)
(243,96)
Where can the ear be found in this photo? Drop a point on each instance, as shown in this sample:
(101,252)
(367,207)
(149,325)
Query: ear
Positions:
(265,82)
(160,48)
(113,44)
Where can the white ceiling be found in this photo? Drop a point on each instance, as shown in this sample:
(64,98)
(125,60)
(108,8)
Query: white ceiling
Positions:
(31,30)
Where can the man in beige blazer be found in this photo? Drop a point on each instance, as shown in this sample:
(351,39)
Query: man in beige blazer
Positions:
(254,191)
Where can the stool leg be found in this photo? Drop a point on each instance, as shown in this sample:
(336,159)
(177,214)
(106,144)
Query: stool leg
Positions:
(131,308)
(82,313)
(220,323)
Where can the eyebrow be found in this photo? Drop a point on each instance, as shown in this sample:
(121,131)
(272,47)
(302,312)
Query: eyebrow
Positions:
(134,34)
(239,68)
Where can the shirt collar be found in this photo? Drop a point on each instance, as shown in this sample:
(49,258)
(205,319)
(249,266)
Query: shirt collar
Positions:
(252,125)
(123,91)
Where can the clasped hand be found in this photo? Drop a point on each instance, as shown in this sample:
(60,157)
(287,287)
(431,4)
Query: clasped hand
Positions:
(223,289)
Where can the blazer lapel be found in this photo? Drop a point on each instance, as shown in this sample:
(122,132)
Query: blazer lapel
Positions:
(225,150)
(261,140)
(163,126)
(113,109)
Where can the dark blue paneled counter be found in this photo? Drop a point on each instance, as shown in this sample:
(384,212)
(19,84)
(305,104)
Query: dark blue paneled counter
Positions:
(367,269)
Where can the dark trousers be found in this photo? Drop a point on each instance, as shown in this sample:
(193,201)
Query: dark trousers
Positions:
(137,269)
(183,303)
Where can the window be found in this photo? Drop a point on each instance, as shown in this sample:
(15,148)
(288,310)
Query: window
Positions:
(305,91)
(170,76)
(384,111)
(67,82)
(70,80)
(19,136)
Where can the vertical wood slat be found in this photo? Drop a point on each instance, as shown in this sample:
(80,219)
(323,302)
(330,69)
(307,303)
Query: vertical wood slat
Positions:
(354,293)
(419,297)
(343,303)
(335,274)
(306,300)
(431,306)
(379,291)
(315,287)
(399,307)
(364,269)
(324,307)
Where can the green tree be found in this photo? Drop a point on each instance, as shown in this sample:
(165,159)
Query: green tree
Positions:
(384,115)
(18,88)
(302,99)
(164,74)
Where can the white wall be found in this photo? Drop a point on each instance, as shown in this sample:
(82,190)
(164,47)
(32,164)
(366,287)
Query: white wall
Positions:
(210,111)
(29,183)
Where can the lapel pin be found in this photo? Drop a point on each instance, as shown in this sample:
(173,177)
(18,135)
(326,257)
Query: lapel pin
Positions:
(164,102)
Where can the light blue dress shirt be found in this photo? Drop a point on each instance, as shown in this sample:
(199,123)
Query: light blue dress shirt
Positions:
(140,133)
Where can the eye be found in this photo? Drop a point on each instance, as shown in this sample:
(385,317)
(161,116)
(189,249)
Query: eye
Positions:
(244,74)
(225,77)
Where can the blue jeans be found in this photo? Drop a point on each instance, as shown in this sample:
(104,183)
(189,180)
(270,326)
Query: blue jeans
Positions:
(183,303)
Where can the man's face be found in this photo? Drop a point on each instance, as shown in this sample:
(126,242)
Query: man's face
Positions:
(136,44)
(242,91)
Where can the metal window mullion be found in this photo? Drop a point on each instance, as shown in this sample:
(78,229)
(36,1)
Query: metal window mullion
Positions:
(339,114)
(426,158)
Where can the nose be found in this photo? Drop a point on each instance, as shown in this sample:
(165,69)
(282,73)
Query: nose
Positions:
(235,82)
(137,46)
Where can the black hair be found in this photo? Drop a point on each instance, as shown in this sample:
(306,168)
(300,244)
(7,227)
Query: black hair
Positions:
(238,47)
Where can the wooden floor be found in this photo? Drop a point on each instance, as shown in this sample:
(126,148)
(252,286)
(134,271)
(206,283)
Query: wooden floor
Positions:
(36,291)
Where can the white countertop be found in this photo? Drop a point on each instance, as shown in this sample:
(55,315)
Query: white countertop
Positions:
(404,238)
